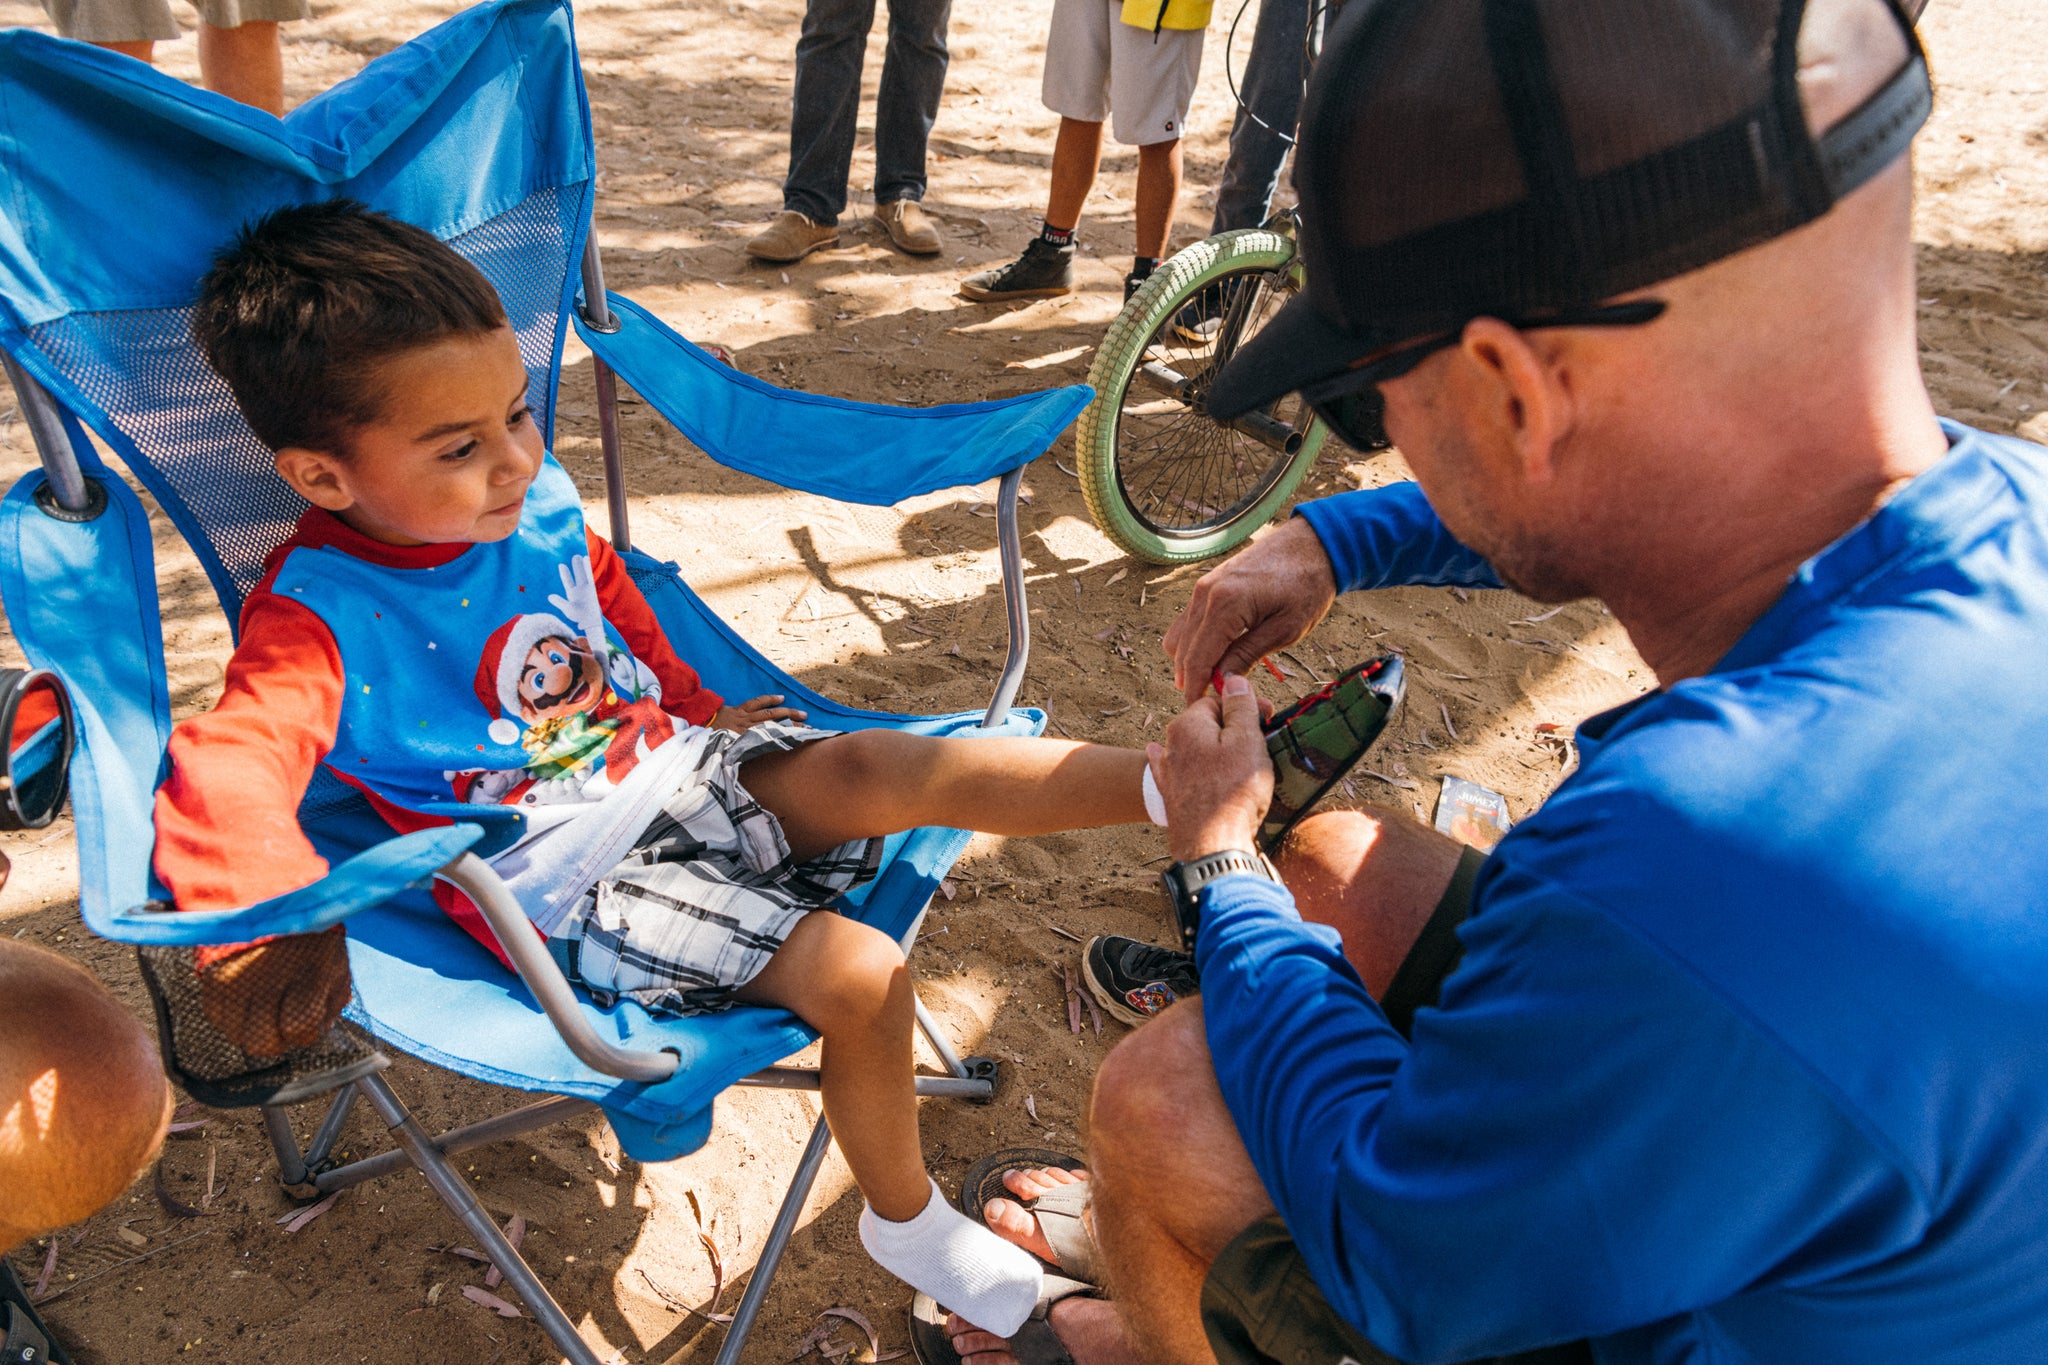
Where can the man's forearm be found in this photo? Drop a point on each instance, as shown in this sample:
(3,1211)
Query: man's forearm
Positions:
(1391,538)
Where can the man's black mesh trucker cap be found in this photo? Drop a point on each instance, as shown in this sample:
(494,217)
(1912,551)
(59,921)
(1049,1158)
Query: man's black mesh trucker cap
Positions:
(1510,158)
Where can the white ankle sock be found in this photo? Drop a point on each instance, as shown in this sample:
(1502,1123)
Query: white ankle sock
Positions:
(1155,804)
(963,1265)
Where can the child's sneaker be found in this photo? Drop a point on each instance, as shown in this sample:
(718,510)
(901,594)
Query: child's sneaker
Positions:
(1318,739)
(1135,981)
(1044,271)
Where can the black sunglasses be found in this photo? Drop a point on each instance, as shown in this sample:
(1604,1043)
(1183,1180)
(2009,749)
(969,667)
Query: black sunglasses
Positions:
(1350,404)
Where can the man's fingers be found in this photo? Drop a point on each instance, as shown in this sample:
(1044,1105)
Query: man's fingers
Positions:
(1240,705)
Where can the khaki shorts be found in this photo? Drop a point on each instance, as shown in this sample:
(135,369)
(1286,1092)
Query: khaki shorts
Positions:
(1259,1305)
(1096,65)
(139,21)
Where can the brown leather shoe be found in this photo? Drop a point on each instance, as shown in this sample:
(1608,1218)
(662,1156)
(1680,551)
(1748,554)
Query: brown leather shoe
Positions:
(791,237)
(909,226)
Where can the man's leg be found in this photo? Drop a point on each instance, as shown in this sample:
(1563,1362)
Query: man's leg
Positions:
(1075,155)
(245,63)
(907,104)
(1158,192)
(1271,90)
(1157,1120)
(83,1099)
(1375,877)
(825,106)
(875,782)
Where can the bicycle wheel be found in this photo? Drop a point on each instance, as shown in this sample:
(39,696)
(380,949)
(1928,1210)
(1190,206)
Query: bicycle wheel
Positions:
(1163,479)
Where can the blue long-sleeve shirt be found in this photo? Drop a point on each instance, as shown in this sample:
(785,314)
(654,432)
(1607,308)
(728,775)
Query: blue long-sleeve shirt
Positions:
(1747,1056)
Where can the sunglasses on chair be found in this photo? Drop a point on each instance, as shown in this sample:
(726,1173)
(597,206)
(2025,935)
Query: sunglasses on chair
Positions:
(1350,403)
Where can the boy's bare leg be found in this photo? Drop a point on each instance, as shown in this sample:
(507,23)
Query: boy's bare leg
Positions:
(874,782)
(1075,155)
(851,984)
(245,63)
(1158,192)
(142,50)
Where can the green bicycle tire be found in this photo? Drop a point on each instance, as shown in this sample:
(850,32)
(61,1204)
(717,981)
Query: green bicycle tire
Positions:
(1172,285)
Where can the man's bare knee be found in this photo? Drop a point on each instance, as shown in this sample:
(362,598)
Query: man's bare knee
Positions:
(83,1099)
(1140,1094)
(1157,1121)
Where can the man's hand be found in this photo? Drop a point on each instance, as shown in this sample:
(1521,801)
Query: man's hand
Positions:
(278,995)
(1259,601)
(1214,773)
(748,714)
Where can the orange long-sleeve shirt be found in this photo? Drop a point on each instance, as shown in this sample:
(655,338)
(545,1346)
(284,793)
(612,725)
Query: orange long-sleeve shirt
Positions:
(227,824)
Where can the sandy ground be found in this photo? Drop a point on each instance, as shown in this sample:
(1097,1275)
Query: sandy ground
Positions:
(894,607)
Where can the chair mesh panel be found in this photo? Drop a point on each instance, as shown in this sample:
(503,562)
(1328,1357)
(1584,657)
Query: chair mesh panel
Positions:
(148,379)
(150,383)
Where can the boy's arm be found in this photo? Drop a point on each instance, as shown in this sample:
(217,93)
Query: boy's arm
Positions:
(227,824)
(682,694)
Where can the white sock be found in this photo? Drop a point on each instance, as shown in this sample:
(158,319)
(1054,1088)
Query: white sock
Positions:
(1155,804)
(957,1261)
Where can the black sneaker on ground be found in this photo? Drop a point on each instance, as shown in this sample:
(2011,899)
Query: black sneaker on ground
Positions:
(1133,282)
(1044,271)
(1134,980)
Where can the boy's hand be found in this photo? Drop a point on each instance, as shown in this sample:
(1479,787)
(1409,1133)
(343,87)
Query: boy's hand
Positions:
(751,713)
(278,995)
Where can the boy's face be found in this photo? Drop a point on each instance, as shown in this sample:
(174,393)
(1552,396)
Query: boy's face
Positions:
(450,455)
(560,678)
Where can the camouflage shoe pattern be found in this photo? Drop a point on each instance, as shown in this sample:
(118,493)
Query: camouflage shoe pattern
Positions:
(1318,739)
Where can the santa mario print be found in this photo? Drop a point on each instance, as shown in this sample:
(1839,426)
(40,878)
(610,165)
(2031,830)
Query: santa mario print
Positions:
(581,706)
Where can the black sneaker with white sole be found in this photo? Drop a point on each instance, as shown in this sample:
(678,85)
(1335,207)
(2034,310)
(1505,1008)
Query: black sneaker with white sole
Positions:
(1135,981)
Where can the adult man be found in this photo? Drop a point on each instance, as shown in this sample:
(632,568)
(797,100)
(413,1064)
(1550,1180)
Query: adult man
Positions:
(240,52)
(824,108)
(1738,1061)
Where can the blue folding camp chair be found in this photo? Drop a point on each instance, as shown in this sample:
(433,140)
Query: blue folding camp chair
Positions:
(119,183)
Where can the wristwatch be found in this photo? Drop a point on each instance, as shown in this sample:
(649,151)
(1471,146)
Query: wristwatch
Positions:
(1184,883)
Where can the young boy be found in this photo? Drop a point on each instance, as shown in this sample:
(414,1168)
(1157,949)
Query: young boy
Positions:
(442,629)
(1138,59)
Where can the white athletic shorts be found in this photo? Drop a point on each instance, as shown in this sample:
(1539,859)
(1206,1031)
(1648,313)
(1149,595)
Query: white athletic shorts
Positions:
(1096,65)
(136,21)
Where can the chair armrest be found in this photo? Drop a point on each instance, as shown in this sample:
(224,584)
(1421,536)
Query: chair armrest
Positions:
(868,453)
(371,877)
(473,877)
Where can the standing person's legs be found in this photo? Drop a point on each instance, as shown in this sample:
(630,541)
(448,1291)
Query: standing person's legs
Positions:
(1271,90)
(825,106)
(907,104)
(1151,84)
(1076,153)
(1158,192)
(244,63)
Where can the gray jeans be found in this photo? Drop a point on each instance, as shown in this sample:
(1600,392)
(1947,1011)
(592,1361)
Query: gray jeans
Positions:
(1271,87)
(827,101)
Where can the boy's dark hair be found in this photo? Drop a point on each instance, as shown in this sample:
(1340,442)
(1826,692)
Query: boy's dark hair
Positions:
(296,312)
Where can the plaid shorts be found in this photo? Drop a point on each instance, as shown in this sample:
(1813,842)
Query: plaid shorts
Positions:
(708,893)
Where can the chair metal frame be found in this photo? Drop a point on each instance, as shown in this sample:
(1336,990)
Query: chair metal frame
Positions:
(309,1172)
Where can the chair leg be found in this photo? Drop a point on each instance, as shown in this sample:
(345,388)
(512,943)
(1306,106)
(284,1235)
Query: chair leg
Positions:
(461,1200)
(778,1241)
(929,1026)
(322,1145)
(291,1163)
